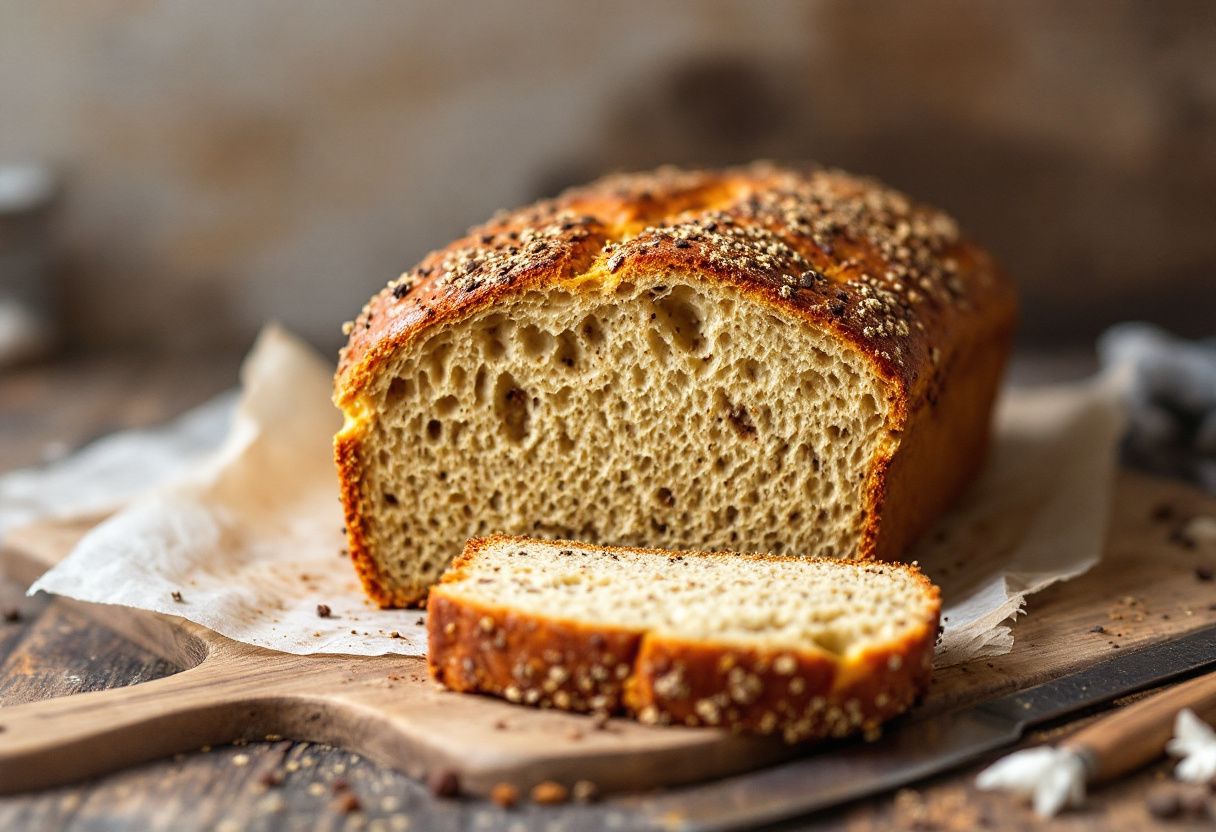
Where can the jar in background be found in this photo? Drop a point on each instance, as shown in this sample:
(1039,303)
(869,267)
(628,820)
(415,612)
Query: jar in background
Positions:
(27,297)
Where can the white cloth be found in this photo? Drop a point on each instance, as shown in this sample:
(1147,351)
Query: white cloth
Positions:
(1195,742)
(1053,778)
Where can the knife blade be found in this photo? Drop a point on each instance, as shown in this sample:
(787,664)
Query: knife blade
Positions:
(916,749)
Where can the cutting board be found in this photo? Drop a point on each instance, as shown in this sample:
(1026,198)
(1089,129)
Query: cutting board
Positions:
(385,708)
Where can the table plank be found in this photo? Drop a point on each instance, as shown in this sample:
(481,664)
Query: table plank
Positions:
(53,651)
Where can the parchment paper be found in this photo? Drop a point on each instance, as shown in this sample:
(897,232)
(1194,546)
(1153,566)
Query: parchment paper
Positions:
(251,535)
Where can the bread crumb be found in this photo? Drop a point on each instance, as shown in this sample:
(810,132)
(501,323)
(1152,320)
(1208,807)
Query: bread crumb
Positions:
(444,782)
(504,795)
(347,803)
(585,791)
(549,793)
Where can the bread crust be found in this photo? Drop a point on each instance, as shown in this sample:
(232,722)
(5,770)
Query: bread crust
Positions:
(553,662)
(928,310)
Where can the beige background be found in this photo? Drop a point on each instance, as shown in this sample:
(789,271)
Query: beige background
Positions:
(231,161)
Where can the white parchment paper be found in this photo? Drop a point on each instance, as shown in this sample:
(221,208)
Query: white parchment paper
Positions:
(250,533)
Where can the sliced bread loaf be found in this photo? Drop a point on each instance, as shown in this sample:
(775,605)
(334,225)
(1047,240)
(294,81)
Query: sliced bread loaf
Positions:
(801,647)
(758,359)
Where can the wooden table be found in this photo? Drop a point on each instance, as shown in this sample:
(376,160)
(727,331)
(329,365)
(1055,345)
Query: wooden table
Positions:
(51,650)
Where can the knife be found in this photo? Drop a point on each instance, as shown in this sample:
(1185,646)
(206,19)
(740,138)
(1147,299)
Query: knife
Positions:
(915,749)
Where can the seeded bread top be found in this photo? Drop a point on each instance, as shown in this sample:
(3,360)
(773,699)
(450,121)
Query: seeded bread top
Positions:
(843,253)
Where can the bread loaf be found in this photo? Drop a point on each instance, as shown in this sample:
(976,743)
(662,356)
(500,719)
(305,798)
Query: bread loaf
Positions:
(801,647)
(758,358)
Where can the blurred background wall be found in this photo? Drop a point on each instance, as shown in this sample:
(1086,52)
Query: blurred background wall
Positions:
(227,162)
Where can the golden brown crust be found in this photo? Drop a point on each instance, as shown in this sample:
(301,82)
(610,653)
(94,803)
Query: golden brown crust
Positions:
(571,665)
(883,274)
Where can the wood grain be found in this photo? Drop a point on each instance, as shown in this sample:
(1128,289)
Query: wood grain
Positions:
(1146,589)
(386,709)
(55,649)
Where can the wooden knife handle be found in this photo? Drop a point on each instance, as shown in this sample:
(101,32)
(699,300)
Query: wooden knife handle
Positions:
(1136,735)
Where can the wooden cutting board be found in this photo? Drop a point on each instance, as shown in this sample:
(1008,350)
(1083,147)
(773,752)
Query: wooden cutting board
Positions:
(1146,589)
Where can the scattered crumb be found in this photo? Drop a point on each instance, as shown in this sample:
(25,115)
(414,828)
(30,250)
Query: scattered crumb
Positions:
(323,611)
(347,803)
(1179,537)
(949,810)
(1195,801)
(1162,513)
(444,783)
(500,725)
(1162,802)
(549,793)
(420,621)
(1175,800)
(316,789)
(12,615)
(1203,573)
(504,795)
(585,791)
(240,760)
(339,785)
(271,779)
(176,596)
(1097,628)
(1201,529)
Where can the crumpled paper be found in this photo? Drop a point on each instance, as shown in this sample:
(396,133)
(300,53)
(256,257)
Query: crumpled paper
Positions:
(1037,514)
(251,537)
(107,474)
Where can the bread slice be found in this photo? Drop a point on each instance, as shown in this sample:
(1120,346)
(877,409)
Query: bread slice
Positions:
(758,359)
(801,647)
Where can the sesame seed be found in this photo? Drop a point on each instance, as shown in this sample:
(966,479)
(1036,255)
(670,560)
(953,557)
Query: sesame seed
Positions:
(777,226)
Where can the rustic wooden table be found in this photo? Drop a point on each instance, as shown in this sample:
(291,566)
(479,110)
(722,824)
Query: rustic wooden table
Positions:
(47,649)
